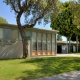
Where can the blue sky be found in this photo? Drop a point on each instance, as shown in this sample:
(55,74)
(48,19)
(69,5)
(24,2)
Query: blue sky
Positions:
(9,15)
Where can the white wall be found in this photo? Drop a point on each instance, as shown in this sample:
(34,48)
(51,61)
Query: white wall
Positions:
(13,50)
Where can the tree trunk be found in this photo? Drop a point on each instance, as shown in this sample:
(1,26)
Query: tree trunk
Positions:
(23,35)
(25,49)
(77,42)
(69,45)
(25,43)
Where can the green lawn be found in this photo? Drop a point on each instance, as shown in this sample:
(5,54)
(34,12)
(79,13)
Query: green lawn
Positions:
(29,69)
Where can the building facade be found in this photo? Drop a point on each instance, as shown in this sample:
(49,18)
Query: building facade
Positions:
(40,42)
(63,47)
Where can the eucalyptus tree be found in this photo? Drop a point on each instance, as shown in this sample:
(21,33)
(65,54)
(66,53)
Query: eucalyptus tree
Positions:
(33,11)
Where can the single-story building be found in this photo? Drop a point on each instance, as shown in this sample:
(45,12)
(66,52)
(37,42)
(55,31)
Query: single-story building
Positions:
(40,42)
(62,47)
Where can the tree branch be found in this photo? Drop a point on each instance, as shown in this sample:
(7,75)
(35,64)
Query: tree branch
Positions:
(14,8)
(41,16)
(19,5)
(32,25)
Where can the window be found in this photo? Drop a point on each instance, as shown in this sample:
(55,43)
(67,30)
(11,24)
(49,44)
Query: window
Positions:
(44,42)
(49,42)
(34,43)
(8,34)
(15,34)
(20,36)
(28,33)
(53,42)
(39,41)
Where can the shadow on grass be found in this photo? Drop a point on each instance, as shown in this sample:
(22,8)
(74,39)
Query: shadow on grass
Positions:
(50,66)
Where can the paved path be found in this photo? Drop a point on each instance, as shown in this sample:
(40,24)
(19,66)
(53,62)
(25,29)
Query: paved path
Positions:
(67,76)
(68,55)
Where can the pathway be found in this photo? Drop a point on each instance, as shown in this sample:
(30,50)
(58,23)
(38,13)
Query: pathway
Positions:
(66,76)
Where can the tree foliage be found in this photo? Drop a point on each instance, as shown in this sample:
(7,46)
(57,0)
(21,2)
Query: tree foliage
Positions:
(33,10)
(65,21)
(2,20)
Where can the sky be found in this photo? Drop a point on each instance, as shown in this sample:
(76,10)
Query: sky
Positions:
(5,12)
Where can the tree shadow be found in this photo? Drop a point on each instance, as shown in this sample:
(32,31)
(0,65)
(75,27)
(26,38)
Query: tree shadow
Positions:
(50,66)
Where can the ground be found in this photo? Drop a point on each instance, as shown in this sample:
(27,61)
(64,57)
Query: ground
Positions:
(33,68)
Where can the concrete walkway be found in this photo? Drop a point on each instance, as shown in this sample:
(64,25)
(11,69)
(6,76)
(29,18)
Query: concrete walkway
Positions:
(68,55)
(67,76)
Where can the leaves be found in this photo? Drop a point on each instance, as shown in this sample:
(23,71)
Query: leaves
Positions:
(67,19)
(36,9)
(2,20)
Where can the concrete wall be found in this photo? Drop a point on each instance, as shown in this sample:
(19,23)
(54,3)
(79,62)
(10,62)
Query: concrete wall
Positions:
(13,50)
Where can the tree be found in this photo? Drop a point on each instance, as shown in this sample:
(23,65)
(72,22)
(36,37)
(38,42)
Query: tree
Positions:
(63,22)
(33,11)
(76,12)
(2,20)
(76,20)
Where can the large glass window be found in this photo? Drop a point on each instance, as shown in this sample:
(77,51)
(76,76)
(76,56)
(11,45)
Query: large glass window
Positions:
(28,33)
(39,38)
(44,42)
(53,42)
(20,37)
(15,34)
(34,42)
(49,42)
(8,34)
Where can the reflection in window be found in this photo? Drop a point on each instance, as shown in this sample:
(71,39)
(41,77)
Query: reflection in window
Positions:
(49,42)
(15,34)
(34,43)
(39,41)
(28,33)
(53,42)
(20,37)
(44,42)
(8,34)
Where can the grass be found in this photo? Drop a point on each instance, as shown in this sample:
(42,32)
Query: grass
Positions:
(29,69)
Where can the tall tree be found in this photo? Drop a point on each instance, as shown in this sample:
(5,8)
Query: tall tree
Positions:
(76,20)
(34,11)
(66,22)
(63,22)
(2,20)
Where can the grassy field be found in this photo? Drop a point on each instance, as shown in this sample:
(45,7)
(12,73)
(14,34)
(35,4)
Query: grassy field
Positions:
(29,69)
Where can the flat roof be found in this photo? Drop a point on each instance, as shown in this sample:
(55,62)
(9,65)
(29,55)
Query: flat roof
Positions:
(65,42)
(31,29)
